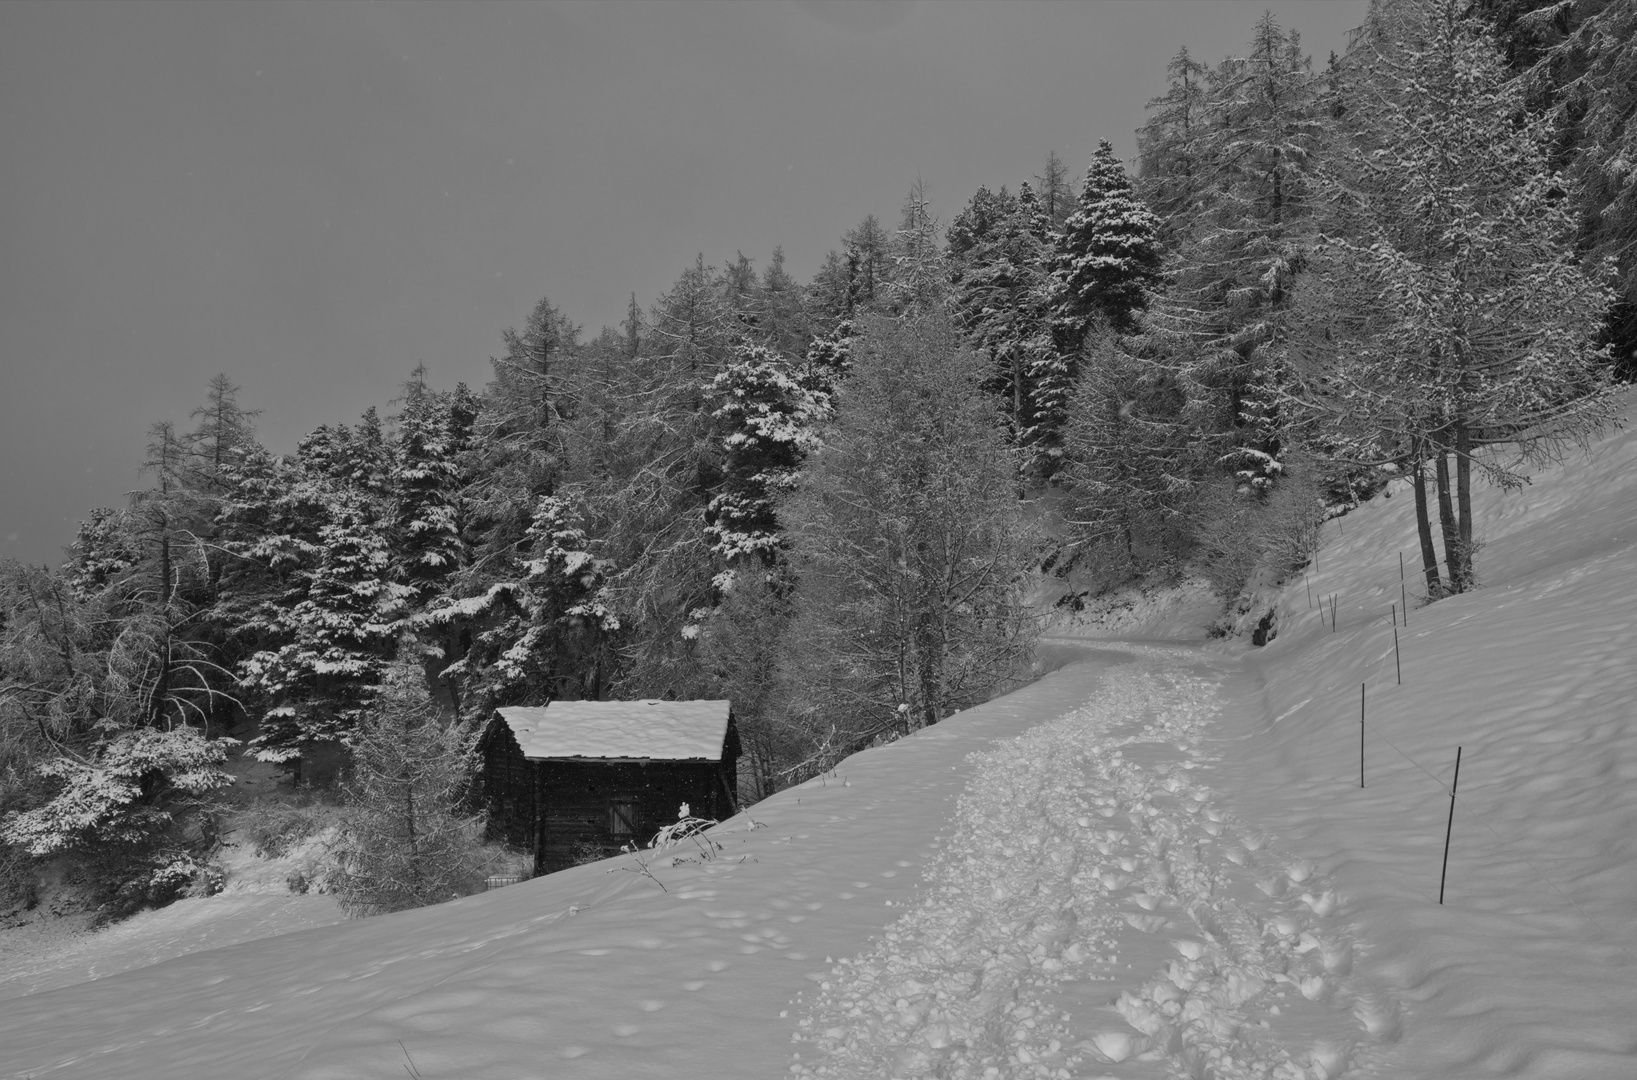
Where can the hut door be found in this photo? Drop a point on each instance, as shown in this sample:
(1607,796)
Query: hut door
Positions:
(622,818)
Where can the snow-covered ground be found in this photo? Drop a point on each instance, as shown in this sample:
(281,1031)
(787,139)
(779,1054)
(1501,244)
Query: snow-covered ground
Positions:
(1155,861)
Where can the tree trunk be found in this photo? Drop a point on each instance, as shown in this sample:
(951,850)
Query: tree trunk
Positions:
(1423,528)
(1463,501)
(1448,525)
(1017,397)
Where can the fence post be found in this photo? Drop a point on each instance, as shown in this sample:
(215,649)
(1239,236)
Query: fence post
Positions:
(1450,828)
(1403,595)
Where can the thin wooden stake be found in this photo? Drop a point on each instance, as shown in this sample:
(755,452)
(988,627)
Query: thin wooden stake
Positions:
(1450,828)
(1309,585)
(1403,595)
(1398,665)
(1360,734)
(1332,613)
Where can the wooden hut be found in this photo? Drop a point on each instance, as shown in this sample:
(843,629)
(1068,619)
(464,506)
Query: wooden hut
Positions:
(578,780)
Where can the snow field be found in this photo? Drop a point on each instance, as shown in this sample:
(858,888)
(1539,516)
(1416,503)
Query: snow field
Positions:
(1084,841)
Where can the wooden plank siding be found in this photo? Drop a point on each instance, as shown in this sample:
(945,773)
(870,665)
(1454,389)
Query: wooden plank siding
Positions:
(571,810)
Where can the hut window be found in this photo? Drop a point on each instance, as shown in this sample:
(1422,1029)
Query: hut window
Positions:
(622,817)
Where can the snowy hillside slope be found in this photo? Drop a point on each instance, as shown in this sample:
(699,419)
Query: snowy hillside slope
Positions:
(1156,861)
(1529,969)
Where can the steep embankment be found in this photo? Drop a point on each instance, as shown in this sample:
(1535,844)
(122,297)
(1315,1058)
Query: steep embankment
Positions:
(1529,968)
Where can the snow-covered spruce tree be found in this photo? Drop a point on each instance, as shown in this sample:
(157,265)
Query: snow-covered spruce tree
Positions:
(1107,258)
(332,641)
(1103,265)
(537,628)
(1472,323)
(829,360)
(433,431)
(407,840)
(765,426)
(1000,295)
(908,544)
(429,545)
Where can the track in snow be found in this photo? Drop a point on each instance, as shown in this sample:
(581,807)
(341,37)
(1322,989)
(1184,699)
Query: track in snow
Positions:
(1094,913)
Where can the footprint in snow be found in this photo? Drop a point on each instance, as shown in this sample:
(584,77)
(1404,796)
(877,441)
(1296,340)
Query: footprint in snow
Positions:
(1383,1021)
(1324,905)
(1328,1062)
(1314,987)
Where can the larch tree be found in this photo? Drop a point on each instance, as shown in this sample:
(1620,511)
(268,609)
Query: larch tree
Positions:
(1470,322)
(406,839)
(1131,460)
(908,543)
(1171,158)
(1234,180)
(868,264)
(1056,190)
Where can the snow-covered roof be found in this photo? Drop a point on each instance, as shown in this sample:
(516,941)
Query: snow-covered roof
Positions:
(658,730)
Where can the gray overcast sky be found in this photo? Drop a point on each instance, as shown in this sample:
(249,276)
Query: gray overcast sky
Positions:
(313,198)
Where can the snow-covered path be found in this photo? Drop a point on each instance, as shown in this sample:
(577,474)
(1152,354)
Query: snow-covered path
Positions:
(1093,906)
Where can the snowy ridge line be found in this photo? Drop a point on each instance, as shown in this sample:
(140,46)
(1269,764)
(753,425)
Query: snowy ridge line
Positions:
(1031,897)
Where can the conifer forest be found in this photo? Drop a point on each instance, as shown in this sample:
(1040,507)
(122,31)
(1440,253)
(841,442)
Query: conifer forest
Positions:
(850,504)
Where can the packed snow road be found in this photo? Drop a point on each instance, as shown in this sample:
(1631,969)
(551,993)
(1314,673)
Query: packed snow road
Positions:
(1094,910)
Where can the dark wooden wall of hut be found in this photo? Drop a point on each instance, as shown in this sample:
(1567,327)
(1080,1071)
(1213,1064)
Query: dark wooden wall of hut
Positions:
(579,797)
(507,788)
